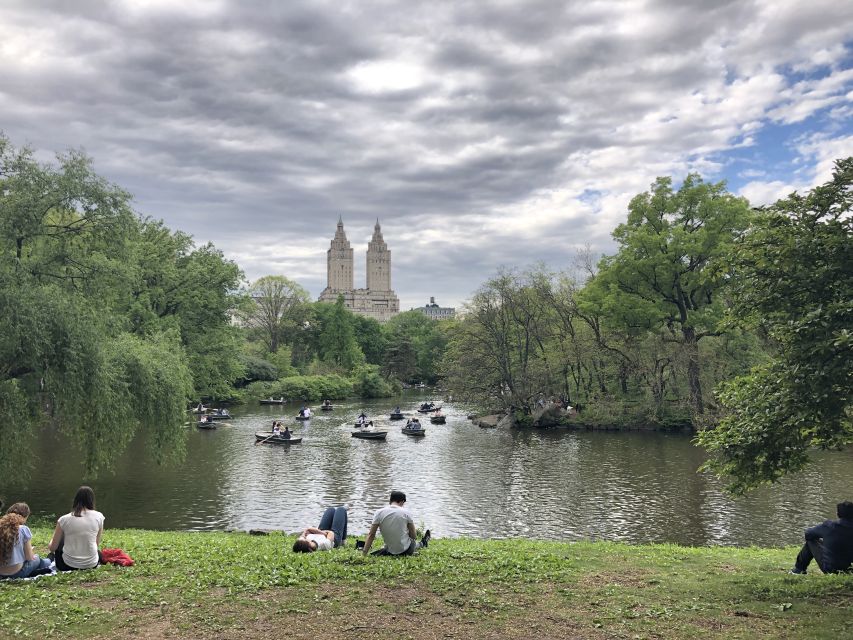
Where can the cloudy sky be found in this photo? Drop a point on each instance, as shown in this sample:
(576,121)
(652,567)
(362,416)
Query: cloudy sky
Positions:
(480,134)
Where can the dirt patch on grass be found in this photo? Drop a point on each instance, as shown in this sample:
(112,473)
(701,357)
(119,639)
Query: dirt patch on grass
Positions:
(355,613)
(636,579)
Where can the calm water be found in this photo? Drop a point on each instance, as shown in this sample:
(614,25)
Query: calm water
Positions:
(461,481)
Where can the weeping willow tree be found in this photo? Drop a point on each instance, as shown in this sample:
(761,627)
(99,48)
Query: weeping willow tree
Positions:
(72,354)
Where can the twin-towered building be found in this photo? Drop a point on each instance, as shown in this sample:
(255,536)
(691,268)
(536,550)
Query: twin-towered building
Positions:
(377,300)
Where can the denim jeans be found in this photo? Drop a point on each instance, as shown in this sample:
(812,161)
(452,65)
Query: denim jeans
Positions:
(416,544)
(30,567)
(335,519)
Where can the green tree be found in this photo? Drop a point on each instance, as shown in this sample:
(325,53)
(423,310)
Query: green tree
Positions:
(371,339)
(669,270)
(498,354)
(66,353)
(171,284)
(337,343)
(275,308)
(415,346)
(794,282)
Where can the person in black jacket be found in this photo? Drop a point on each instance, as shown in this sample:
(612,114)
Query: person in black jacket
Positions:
(829,544)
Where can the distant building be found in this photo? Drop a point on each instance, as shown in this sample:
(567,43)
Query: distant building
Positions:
(432,310)
(377,300)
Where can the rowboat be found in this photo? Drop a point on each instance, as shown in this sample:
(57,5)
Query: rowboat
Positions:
(396,416)
(272,401)
(268,437)
(206,425)
(438,419)
(370,435)
(414,432)
(303,417)
(219,416)
(327,407)
(429,410)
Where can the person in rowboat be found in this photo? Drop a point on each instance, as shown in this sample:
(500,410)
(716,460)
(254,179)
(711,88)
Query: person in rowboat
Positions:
(331,533)
(276,430)
(287,433)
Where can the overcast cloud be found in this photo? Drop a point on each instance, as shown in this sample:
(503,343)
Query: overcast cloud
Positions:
(480,134)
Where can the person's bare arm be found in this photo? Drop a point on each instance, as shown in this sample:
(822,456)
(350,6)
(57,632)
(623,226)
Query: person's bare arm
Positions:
(312,530)
(370,536)
(56,539)
(98,538)
(412,533)
(28,551)
(330,535)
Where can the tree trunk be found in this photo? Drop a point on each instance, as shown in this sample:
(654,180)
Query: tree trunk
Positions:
(691,345)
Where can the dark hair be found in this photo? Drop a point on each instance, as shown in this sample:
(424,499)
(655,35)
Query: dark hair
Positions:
(302,546)
(398,496)
(21,508)
(845,509)
(84,499)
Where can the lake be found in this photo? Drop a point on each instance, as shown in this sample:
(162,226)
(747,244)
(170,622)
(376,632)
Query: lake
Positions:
(461,480)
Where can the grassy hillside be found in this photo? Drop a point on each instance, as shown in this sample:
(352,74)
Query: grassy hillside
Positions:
(233,585)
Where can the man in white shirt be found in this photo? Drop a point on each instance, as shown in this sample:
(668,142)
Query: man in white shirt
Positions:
(397,528)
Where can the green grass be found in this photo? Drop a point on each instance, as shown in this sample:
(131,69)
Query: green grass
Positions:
(212,585)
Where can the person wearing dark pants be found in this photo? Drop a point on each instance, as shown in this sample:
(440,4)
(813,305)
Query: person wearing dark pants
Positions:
(331,533)
(397,528)
(829,544)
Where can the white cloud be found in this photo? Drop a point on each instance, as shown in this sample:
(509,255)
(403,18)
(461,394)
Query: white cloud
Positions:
(479,134)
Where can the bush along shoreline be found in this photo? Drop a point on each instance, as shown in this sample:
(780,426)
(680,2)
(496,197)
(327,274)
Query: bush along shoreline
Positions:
(235,585)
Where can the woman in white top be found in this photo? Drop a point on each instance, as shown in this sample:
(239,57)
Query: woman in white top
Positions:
(331,533)
(78,534)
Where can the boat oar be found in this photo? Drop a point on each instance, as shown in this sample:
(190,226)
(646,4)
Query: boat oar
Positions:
(257,442)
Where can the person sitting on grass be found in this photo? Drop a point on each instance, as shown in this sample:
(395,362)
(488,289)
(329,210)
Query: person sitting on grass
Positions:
(830,544)
(331,533)
(77,536)
(397,528)
(17,559)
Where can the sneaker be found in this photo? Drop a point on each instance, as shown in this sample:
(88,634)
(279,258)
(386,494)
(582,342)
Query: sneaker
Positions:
(797,572)
(425,540)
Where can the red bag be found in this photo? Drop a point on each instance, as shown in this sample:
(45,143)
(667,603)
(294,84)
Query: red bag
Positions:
(116,556)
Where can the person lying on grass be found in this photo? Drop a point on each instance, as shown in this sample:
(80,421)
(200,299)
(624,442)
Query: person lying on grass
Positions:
(331,533)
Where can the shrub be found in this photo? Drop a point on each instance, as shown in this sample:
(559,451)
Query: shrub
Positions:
(367,383)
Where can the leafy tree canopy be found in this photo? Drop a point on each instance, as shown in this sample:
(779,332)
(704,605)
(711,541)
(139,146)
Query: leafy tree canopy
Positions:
(103,316)
(670,267)
(794,281)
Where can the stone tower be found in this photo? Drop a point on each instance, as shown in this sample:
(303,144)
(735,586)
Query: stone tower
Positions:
(339,266)
(378,262)
(377,300)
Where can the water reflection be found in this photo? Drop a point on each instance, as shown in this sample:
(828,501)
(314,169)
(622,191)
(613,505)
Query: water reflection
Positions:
(460,480)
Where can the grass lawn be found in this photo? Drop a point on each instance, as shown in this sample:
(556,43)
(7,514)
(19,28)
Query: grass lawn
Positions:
(233,585)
